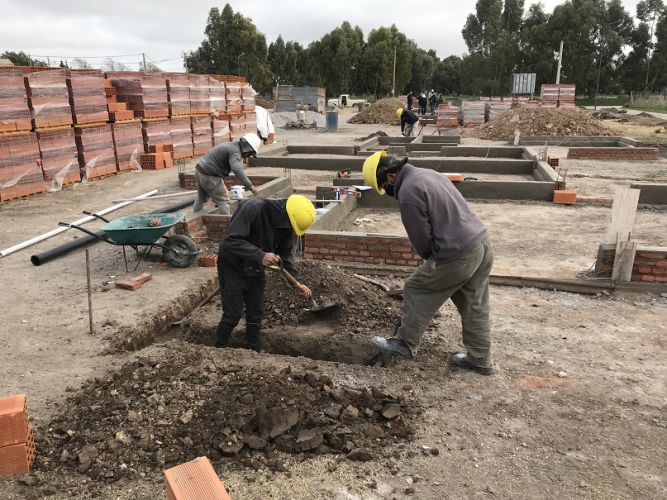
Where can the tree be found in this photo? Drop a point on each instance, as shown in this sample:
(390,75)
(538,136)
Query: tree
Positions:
(422,66)
(483,28)
(21,59)
(81,63)
(232,46)
(537,54)
(342,49)
(378,61)
(447,76)
(648,11)
(282,61)
(111,65)
(150,66)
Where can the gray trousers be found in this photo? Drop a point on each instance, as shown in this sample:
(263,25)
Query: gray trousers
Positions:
(466,282)
(407,131)
(213,187)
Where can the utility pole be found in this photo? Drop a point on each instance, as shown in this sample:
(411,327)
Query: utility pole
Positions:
(48,61)
(560,62)
(144,54)
(393,85)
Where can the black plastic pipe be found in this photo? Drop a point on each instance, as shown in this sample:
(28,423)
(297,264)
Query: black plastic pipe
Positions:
(66,248)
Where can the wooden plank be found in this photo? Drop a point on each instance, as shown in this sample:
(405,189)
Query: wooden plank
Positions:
(623,212)
(623,261)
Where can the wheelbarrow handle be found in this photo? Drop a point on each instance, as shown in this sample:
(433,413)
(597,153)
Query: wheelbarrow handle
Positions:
(90,233)
(96,215)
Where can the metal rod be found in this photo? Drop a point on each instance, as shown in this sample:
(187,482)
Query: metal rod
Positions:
(90,294)
(45,236)
(170,195)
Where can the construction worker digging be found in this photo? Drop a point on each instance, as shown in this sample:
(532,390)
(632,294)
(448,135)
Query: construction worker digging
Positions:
(457,254)
(408,120)
(260,234)
(218,163)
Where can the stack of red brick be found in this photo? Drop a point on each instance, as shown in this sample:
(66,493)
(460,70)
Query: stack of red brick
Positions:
(221,132)
(178,88)
(217,95)
(181,137)
(201,134)
(87,96)
(128,144)
(14,111)
(448,116)
(118,111)
(59,156)
(17,442)
(97,157)
(48,98)
(199,94)
(146,93)
(20,173)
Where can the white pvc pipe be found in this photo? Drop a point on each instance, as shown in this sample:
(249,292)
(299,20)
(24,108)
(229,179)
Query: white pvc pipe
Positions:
(170,195)
(88,218)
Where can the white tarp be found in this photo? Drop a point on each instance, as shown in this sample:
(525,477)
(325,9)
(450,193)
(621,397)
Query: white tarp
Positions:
(264,123)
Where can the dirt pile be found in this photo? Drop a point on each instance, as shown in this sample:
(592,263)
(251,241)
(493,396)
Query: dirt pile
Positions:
(363,308)
(163,410)
(379,133)
(381,112)
(540,121)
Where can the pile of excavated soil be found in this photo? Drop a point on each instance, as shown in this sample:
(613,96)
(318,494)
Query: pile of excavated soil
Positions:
(165,409)
(381,112)
(363,308)
(540,121)
(379,133)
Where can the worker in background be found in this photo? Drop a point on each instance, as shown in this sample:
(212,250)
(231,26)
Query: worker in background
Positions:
(409,100)
(218,163)
(422,104)
(408,120)
(259,233)
(433,100)
(457,254)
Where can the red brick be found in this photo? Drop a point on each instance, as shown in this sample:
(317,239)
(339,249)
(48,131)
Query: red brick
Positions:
(209,260)
(414,262)
(661,279)
(651,255)
(648,277)
(189,480)
(662,263)
(135,283)
(644,263)
(565,197)
(609,253)
(635,277)
(307,255)
(644,270)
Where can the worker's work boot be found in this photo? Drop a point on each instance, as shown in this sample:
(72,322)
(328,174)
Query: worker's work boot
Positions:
(393,346)
(223,333)
(253,333)
(461,360)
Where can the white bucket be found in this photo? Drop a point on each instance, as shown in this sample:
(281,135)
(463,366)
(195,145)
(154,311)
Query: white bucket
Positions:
(238,192)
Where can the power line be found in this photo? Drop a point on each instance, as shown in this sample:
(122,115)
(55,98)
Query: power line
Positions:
(83,57)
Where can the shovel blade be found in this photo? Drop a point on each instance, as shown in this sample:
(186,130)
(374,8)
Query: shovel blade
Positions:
(324,307)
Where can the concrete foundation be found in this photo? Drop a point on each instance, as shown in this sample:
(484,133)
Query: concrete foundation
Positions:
(652,194)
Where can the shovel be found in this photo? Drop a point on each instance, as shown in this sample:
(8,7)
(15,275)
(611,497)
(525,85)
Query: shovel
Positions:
(315,307)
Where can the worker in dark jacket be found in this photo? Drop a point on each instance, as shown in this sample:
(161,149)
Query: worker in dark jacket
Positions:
(433,100)
(422,104)
(408,120)
(218,163)
(259,233)
(457,254)
(409,100)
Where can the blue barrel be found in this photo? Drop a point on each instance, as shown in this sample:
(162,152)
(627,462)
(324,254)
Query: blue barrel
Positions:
(332,121)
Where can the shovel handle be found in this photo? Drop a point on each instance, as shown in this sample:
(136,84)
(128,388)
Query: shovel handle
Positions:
(291,279)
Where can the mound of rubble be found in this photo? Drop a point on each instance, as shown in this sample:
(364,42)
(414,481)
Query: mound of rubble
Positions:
(362,307)
(540,121)
(381,112)
(166,409)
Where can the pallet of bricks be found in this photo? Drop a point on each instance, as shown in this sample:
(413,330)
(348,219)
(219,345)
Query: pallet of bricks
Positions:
(14,110)
(217,95)
(17,441)
(566,96)
(248,95)
(97,157)
(549,95)
(59,157)
(221,131)
(472,113)
(118,111)
(20,171)
(144,92)
(48,97)
(87,96)
(496,107)
(448,116)
(199,95)
(201,134)
(178,91)
(158,144)
(128,142)
(181,137)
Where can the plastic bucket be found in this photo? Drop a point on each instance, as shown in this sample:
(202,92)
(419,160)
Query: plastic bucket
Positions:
(237,192)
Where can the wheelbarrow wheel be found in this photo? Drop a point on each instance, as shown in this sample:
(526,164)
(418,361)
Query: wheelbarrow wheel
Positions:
(179,251)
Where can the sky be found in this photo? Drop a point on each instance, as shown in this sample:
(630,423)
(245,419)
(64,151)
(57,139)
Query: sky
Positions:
(164,29)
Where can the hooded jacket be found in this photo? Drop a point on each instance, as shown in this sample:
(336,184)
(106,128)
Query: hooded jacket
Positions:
(259,226)
(224,158)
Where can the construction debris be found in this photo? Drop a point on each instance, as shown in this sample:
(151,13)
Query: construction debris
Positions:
(540,121)
(382,112)
(379,133)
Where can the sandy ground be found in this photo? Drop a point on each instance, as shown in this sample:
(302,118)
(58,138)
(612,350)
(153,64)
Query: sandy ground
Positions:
(577,409)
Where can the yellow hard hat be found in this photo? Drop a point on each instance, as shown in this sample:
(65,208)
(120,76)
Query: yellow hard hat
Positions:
(301,213)
(399,112)
(371,168)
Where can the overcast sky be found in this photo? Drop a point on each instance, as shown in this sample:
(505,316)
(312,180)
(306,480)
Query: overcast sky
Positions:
(163,29)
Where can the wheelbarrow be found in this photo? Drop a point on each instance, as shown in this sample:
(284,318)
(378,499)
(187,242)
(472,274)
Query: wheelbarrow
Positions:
(146,231)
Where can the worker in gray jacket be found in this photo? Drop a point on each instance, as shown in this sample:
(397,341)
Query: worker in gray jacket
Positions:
(457,254)
(218,163)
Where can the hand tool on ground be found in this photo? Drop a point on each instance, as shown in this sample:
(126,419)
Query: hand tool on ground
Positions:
(382,286)
(292,280)
(201,304)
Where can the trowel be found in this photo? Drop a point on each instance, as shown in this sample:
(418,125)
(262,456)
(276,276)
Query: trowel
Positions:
(292,280)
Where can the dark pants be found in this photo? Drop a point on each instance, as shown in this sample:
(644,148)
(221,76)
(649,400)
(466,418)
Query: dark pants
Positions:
(432,109)
(237,290)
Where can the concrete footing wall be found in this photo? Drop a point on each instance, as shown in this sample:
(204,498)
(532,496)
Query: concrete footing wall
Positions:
(650,263)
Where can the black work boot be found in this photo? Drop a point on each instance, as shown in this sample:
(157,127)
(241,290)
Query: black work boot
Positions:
(392,346)
(223,333)
(462,361)
(253,333)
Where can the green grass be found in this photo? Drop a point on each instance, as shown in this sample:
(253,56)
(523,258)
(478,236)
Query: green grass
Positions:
(603,100)
(656,104)
(653,176)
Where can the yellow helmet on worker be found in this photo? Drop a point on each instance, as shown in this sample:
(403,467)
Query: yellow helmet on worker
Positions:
(301,213)
(399,112)
(371,168)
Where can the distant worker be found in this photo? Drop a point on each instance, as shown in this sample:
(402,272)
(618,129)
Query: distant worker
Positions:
(218,163)
(409,100)
(408,120)
(433,100)
(457,254)
(422,104)
(260,232)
